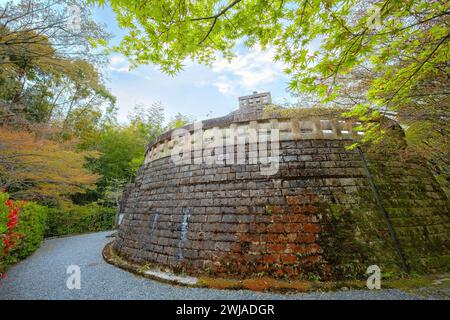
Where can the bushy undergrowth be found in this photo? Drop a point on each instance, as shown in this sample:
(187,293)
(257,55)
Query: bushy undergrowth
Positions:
(79,219)
(23,225)
(31,227)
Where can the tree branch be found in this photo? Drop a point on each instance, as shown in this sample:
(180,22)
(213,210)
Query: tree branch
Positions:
(217,15)
(215,18)
(419,67)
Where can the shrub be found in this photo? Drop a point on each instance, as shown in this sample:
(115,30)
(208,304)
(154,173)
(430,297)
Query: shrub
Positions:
(21,237)
(80,219)
(9,218)
(32,225)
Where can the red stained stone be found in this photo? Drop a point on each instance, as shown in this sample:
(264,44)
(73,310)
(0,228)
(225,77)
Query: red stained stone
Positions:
(299,218)
(274,238)
(293,248)
(292,237)
(260,267)
(293,200)
(276,247)
(288,259)
(276,228)
(279,273)
(293,227)
(295,209)
(311,259)
(310,209)
(270,258)
(306,238)
(312,248)
(278,209)
(311,228)
(280,218)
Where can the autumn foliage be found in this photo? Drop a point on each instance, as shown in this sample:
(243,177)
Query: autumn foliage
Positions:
(35,167)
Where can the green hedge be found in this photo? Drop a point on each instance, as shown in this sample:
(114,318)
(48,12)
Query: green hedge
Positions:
(37,221)
(32,225)
(79,219)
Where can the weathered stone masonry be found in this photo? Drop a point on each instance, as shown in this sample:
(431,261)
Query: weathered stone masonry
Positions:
(315,217)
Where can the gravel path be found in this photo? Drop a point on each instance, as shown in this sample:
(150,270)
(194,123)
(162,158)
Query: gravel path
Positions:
(43,276)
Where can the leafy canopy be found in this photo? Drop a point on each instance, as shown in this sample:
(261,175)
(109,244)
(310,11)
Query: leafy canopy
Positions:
(367,56)
(403,39)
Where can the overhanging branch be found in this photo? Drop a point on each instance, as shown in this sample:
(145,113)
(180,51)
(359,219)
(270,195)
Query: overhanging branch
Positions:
(215,18)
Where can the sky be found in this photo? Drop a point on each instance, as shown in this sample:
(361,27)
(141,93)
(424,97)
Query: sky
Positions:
(199,91)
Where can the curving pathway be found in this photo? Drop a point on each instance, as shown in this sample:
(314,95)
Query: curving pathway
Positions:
(43,276)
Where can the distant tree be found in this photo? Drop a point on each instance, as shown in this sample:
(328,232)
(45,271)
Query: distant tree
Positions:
(179,121)
(121,147)
(25,25)
(112,193)
(79,98)
(50,90)
(147,120)
(48,68)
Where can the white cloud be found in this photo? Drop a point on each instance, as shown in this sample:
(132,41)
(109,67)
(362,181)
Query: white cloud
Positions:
(225,86)
(119,63)
(249,70)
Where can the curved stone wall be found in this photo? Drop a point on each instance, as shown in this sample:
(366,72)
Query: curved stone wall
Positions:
(316,216)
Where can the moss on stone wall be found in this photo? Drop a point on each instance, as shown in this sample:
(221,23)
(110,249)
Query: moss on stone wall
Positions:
(355,231)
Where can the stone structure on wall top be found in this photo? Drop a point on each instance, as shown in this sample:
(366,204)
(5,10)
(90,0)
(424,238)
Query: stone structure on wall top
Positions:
(255,99)
(204,203)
